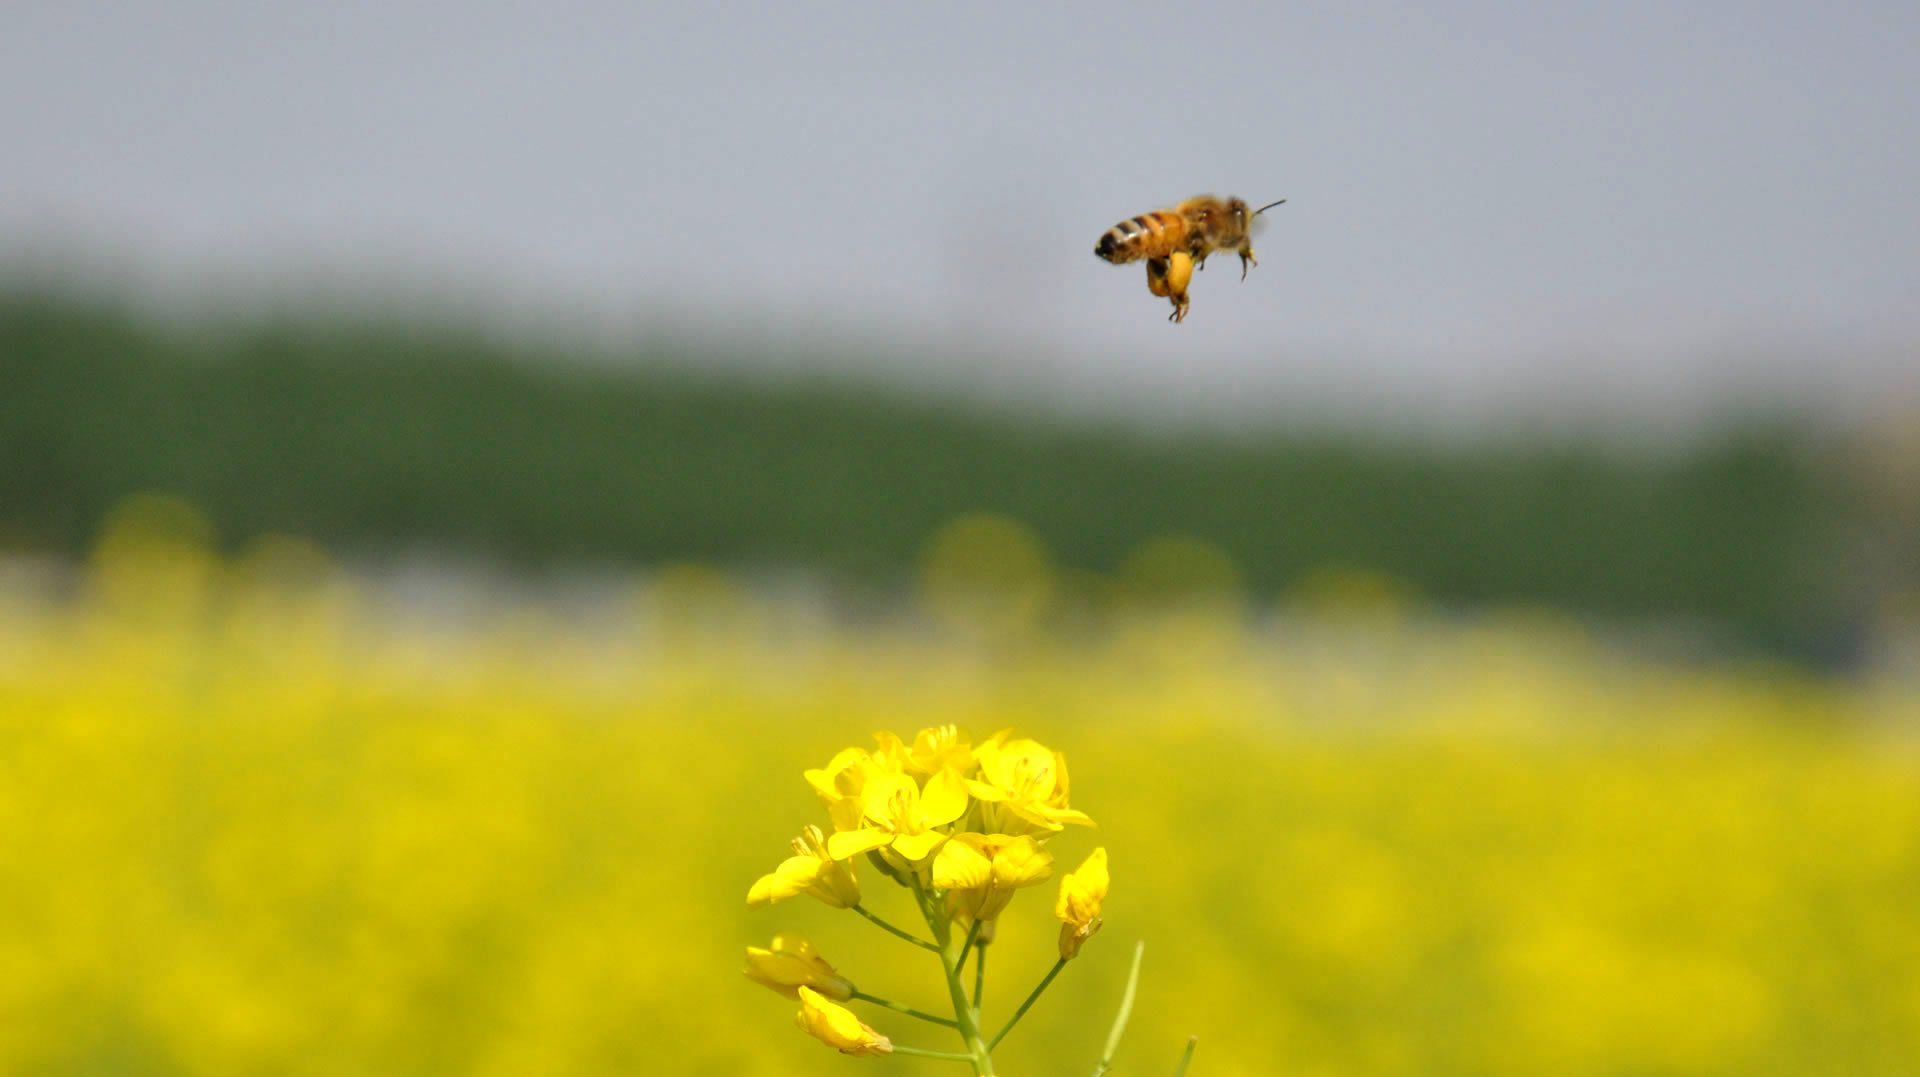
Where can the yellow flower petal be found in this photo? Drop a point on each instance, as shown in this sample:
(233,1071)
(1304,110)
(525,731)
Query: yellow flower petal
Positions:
(811,870)
(1010,862)
(1021,862)
(890,800)
(915,847)
(1027,782)
(1048,818)
(940,748)
(944,799)
(792,877)
(1082,893)
(980,790)
(851,843)
(892,754)
(837,1027)
(832,781)
(791,964)
(961,866)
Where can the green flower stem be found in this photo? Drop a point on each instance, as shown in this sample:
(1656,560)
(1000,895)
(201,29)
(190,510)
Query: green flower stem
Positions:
(951,952)
(884,926)
(1028,1004)
(921,1052)
(979,978)
(972,934)
(1126,1012)
(908,1010)
(1186,1057)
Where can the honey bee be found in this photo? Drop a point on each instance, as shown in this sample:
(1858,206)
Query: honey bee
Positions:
(1177,241)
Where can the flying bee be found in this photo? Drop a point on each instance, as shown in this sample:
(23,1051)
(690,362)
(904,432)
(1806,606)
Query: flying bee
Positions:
(1174,242)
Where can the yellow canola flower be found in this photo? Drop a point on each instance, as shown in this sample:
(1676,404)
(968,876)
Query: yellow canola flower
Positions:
(1026,779)
(1082,892)
(934,749)
(901,816)
(837,1027)
(980,872)
(838,784)
(791,966)
(809,871)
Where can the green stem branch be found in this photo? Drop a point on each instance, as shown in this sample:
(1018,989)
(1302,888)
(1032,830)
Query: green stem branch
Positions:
(979,977)
(978,1050)
(908,1010)
(1126,1012)
(883,925)
(1028,1004)
(1186,1057)
(921,1052)
(967,947)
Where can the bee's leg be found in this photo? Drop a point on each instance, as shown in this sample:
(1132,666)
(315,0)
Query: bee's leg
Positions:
(1168,277)
(1246,260)
(1157,276)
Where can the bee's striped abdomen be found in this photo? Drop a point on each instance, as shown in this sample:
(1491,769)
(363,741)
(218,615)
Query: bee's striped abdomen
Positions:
(1150,235)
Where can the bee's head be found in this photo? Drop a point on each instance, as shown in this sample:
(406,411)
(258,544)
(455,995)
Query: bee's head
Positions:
(1242,207)
(1236,217)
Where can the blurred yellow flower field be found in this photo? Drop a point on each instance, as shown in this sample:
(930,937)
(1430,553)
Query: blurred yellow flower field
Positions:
(254,822)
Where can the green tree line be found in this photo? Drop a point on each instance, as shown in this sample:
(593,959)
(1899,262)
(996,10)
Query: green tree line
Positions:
(371,437)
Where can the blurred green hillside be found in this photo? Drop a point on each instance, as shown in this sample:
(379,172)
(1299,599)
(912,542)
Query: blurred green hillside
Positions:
(367,438)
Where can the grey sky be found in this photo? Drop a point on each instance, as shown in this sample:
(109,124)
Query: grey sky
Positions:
(1624,206)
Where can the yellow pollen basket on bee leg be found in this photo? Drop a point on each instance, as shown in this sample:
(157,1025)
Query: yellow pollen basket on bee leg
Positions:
(1168,277)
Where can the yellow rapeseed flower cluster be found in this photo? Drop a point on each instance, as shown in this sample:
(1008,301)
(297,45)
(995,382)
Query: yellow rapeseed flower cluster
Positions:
(971,821)
(964,827)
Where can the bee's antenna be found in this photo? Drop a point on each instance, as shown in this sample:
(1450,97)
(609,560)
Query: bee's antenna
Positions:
(1268,206)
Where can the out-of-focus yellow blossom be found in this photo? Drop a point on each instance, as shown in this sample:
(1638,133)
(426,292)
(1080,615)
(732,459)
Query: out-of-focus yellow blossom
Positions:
(933,749)
(232,803)
(838,784)
(791,964)
(809,871)
(901,816)
(1082,892)
(980,872)
(1027,780)
(837,1027)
